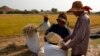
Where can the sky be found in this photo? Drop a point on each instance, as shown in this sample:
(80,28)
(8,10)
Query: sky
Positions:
(61,5)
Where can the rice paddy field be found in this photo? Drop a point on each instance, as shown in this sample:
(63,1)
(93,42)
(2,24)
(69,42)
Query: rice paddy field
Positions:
(12,42)
(12,24)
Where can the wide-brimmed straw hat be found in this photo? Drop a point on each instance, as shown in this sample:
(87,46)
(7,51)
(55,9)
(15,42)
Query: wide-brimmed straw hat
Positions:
(62,17)
(78,6)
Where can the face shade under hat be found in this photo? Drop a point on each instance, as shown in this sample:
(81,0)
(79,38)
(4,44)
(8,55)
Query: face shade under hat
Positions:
(61,20)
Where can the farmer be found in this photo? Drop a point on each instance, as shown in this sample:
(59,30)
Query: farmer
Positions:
(46,24)
(80,36)
(59,28)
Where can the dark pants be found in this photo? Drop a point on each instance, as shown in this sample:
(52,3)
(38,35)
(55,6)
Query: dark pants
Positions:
(77,55)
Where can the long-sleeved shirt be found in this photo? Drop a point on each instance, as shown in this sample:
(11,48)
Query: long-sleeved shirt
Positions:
(80,36)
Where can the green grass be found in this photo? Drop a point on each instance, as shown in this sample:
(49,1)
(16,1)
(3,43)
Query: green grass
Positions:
(11,25)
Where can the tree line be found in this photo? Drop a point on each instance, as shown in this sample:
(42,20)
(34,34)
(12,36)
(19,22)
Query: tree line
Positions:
(33,11)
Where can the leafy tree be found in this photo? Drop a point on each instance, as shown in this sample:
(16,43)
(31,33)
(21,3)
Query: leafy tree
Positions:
(98,12)
(54,10)
(42,11)
(35,11)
